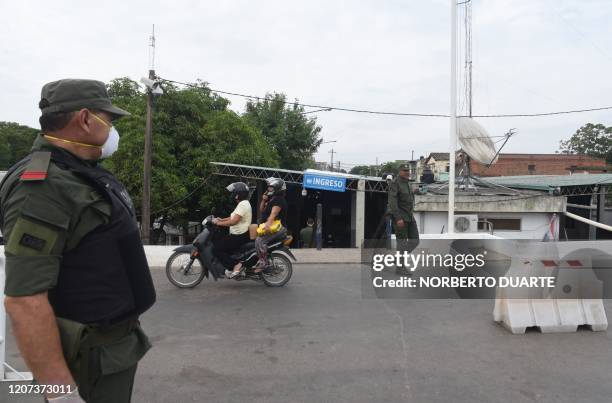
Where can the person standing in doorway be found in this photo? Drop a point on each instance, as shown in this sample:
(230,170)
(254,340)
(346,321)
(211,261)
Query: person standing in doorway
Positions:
(306,234)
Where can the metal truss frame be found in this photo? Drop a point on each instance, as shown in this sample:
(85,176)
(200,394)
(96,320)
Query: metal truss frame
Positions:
(294,177)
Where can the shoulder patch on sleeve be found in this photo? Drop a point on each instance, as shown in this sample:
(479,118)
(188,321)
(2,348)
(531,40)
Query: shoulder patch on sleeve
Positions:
(30,239)
(37,168)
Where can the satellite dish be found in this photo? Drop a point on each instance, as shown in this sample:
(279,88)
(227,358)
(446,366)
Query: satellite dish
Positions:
(154,86)
(476,142)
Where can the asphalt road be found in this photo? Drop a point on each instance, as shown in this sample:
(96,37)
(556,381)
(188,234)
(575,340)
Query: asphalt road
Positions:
(318,340)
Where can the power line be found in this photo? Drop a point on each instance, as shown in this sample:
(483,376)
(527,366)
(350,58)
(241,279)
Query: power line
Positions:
(183,198)
(308,105)
(427,115)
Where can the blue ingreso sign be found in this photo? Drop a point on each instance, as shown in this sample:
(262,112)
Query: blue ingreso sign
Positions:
(322,182)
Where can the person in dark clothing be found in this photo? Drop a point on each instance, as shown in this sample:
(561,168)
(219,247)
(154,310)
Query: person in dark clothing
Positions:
(238,223)
(77,277)
(306,234)
(400,204)
(273,207)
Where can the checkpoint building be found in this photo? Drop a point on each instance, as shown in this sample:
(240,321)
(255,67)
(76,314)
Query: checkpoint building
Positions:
(353,205)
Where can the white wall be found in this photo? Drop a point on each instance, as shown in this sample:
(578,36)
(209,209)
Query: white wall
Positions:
(533,225)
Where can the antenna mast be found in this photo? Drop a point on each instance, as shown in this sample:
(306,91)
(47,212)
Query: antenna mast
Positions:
(468,55)
(152,49)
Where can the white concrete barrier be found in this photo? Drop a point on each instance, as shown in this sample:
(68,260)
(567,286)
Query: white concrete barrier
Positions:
(7,372)
(157,255)
(520,308)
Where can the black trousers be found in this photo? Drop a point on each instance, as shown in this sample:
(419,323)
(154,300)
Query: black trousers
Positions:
(227,245)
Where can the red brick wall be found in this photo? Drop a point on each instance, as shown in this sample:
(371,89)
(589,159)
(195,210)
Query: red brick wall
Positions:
(544,164)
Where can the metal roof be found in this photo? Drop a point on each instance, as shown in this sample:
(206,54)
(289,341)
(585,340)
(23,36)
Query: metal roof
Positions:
(548,182)
(439,156)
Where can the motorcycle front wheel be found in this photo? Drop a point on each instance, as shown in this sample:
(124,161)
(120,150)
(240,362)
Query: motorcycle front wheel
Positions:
(183,271)
(280,272)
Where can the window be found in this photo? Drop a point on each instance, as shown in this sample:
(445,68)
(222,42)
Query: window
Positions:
(500,224)
(531,169)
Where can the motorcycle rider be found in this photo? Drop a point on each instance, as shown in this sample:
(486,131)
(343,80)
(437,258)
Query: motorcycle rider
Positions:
(238,223)
(273,206)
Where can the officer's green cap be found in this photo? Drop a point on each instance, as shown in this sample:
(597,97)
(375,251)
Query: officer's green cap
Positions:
(73,94)
(404,167)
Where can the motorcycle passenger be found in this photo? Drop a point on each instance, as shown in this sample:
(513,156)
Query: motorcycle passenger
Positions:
(238,223)
(273,206)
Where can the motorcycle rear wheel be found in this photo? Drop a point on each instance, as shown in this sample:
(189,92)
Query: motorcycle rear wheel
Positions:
(280,272)
(178,273)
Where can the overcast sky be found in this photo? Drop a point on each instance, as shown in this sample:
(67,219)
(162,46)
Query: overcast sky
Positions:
(529,56)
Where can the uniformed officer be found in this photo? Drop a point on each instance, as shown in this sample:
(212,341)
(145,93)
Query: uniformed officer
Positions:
(76,274)
(400,204)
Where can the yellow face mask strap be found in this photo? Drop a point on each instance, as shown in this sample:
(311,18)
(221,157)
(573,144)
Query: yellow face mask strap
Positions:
(101,120)
(71,142)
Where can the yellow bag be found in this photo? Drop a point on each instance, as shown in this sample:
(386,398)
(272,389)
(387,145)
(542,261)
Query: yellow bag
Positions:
(274,228)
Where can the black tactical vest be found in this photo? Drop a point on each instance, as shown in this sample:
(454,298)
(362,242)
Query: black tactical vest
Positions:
(106,277)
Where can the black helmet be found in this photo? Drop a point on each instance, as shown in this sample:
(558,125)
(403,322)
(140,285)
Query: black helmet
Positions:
(240,190)
(278,184)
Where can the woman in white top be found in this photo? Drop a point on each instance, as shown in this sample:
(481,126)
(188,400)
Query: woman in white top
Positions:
(238,223)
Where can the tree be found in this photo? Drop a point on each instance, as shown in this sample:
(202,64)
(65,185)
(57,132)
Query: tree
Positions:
(291,134)
(591,139)
(191,128)
(362,170)
(390,167)
(15,143)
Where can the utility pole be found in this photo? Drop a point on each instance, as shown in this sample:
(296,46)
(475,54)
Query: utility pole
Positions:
(468,53)
(148,150)
(331,164)
(450,229)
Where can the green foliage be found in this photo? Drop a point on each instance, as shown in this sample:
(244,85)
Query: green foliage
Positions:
(15,143)
(594,140)
(363,170)
(390,167)
(191,128)
(291,134)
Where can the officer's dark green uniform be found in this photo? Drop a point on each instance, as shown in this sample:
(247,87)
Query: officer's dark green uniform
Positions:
(70,230)
(400,204)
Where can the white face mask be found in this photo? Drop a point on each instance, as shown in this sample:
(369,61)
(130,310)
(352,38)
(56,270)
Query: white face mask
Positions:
(111,144)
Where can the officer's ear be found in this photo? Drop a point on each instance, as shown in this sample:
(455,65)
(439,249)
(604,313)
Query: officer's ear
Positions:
(84,120)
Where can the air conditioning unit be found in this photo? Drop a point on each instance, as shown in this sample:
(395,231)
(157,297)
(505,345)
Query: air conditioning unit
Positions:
(466,223)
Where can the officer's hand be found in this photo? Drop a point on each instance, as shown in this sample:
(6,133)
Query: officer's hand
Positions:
(215,221)
(400,223)
(72,397)
(264,197)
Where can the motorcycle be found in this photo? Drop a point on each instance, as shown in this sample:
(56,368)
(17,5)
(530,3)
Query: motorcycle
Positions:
(190,264)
